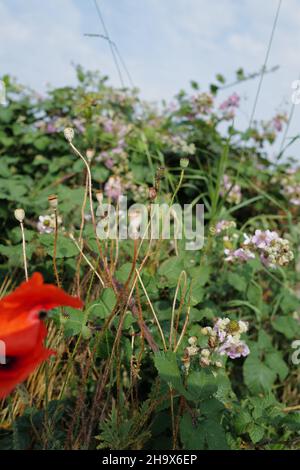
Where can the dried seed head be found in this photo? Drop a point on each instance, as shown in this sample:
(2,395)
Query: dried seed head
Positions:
(69,134)
(20,215)
(53,201)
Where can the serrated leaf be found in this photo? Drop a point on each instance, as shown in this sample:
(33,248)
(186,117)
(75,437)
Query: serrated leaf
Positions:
(258,376)
(256,432)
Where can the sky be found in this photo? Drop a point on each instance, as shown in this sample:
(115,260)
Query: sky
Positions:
(164,43)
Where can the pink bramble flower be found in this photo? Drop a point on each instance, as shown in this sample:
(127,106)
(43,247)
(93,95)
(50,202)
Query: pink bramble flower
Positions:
(234,348)
(113,187)
(241,254)
(262,239)
(233,101)
(78,123)
(224,339)
(223,225)
(232,191)
(273,250)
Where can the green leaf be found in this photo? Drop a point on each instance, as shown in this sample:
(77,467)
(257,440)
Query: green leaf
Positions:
(65,246)
(170,270)
(214,435)
(197,294)
(76,324)
(201,384)
(288,326)
(201,274)
(168,370)
(243,418)
(123,272)
(254,294)
(190,435)
(237,281)
(258,376)
(276,363)
(289,302)
(256,432)
(208,434)
(102,307)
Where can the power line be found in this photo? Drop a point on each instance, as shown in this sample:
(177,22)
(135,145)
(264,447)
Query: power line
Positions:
(113,48)
(263,71)
(114,45)
(291,114)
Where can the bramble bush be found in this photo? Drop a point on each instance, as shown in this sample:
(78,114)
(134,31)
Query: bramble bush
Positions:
(174,349)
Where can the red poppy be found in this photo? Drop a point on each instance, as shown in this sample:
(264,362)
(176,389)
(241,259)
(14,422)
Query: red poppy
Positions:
(22,331)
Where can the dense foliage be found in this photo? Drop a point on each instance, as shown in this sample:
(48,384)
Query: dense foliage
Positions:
(178,348)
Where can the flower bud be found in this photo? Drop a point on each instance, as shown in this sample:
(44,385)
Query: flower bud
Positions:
(205,331)
(192,340)
(19,215)
(204,361)
(205,353)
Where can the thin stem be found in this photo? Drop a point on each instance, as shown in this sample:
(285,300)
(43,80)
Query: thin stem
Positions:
(178,186)
(24,250)
(152,310)
(87,260)
(55,249)
(182,274)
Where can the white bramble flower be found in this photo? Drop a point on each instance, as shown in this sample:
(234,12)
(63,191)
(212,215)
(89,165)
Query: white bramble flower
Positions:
(46,223)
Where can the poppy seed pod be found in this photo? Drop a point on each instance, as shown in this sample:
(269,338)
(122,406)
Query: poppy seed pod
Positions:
(19,215)
(184,162)
(53,201)
(69,134)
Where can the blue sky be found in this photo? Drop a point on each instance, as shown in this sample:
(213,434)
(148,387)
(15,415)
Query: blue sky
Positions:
(165,44)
